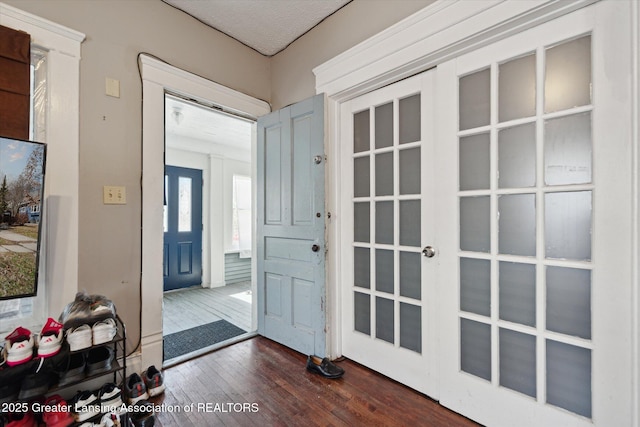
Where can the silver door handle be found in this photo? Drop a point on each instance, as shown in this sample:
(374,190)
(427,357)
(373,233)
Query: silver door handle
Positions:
(429,251)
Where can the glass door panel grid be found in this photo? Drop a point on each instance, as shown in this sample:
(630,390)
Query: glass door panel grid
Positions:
(525,200)
(387,222)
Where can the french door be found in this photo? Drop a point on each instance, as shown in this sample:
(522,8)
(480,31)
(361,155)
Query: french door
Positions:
(488,264)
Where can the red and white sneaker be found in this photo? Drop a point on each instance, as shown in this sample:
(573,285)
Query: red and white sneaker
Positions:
(50,340)
(19,346)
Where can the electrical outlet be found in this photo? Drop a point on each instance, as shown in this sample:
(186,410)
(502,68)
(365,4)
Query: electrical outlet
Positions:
(114,195)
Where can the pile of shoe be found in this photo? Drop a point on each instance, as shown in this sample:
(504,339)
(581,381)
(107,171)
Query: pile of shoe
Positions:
(89,320)
(139,388)
(28,363)
(99,408)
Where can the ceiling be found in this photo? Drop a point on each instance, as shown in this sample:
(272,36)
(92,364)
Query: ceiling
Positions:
(193,127)
(267,26)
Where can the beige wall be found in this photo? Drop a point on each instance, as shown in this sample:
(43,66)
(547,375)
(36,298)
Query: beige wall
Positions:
(110,128)
(292,77)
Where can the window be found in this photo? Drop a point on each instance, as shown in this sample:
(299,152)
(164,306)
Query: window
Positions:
(241,222)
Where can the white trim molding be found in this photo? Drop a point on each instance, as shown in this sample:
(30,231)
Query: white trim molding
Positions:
(61,225)
(439,32)
(158,78)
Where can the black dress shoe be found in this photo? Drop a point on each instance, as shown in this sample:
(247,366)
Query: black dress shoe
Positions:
(324,367)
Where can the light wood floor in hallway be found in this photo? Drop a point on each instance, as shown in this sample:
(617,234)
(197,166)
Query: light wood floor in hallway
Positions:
(258,382)
(191,307)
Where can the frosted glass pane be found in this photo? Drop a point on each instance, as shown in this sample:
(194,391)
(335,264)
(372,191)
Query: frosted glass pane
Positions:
(567,150)
(384,270)
(184,204)
(569,301)
(517,88)
(409,112)
(410,327)
(474,224)
(361,132)
(474,100)
(361,222)
(384,174)
(384,319)
(384,125)
(569,377)
(568,75)
(410,275)
(361,177)
(165,207)
(384,222)
(517,156)
(474,162)
(518,293)
(362,312)
(410,171)
(410,220)
(361,268)
(475,286)
(518,361)
(475,348)
(568,225)
(517,224)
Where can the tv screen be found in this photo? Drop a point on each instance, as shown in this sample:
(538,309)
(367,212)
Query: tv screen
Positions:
(22,170)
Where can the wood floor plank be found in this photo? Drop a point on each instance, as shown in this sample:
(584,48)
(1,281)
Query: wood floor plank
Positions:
(261,383)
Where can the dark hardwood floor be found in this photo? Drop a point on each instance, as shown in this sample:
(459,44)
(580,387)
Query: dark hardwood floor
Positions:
(260,382)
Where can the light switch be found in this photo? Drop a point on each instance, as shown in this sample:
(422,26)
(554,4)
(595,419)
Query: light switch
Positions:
(114,195)
(112,87)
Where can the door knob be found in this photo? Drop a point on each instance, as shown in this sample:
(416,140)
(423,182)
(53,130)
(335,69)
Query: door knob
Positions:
(429,251)
(315,248)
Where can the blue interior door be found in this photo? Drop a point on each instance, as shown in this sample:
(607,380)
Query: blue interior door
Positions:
(182,228)
(290,232)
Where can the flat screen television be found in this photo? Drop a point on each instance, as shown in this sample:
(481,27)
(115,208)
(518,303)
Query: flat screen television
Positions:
(22,170)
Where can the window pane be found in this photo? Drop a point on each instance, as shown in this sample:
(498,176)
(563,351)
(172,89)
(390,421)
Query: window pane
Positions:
(517,156)
(517,88)
(569,301)
(361,132)
(410,171)
(384,125)
(410,327)
(410,221)
(474,224)
(567,150)
(361,177)
(517,224)
(474,100)
(384,222)
(409,112)
(474,162)
(518,293)
(568,75)
(361,222)
(569,377)
(184,204)
(475,286)
(362,312)
(384,271)
(518,361)
(361,268)
(384,174)
(410,275)
(384,319)
(568,225)
(475,348)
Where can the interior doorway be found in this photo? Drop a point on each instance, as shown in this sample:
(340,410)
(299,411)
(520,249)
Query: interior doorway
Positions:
(207,245)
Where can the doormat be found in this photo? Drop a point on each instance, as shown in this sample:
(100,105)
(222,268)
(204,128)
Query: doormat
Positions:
(193,339)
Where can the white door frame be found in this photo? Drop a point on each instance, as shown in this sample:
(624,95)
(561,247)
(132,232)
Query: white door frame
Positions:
(158,77)
(442,31)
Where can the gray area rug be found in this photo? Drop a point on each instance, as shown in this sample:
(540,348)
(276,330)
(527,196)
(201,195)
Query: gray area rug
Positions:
(193,339)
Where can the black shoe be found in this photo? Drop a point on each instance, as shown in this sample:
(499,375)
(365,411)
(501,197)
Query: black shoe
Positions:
(142,415)
(324,367)
(74,371)
(99,360)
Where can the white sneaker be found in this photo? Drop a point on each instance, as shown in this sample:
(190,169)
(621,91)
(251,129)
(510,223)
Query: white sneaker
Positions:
(79,338)
(104,331)
(19,346)
(50,339)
